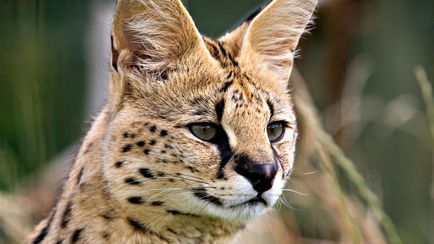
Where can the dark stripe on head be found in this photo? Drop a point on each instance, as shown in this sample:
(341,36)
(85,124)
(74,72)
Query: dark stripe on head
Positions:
(271,107)
(219,108)
(226,86)
(66,216)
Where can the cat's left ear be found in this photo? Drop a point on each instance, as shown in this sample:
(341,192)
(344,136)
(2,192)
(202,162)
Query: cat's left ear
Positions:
(268,41)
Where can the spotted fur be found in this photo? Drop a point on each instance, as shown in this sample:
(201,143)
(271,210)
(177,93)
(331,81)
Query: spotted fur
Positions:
(141,176)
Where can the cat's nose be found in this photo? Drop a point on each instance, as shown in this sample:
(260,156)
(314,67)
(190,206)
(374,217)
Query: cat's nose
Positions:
(261,176)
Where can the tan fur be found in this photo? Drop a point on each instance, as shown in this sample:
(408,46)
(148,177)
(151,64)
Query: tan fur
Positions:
(141,176)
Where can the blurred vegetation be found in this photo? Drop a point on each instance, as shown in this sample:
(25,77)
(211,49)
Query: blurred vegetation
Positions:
(358,64)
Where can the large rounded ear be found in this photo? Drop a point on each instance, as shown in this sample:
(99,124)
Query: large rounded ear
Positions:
(268,41)
(148,38)
(155,32)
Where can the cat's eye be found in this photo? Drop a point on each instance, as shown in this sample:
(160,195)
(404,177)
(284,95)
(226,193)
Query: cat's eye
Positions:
(203,131)
(275,131)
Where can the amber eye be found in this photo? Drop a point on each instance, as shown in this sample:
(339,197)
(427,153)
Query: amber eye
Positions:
(203,131)
(275,131)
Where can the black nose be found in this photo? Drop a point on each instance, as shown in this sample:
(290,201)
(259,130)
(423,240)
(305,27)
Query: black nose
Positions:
(261,176)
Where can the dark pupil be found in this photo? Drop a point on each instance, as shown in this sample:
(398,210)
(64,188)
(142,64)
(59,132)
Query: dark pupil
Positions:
(274,131)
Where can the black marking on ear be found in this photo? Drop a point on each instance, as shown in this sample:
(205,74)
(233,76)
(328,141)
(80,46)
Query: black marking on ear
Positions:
(44,232)
(203,195)
(137,225)
(76,236)
(219,108)
(146,173)
(66,216)
(119,164)
(132,181)
(157,203)
(127,148)
(271,107)
(136,200)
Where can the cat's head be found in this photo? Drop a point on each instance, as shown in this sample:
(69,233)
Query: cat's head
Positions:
(201,126)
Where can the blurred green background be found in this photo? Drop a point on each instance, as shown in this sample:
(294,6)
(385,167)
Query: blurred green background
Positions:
(358,63)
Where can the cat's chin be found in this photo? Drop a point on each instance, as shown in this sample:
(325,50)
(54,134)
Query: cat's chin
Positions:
(241,212)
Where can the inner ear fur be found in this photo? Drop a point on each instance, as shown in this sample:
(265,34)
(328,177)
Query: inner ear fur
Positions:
(267,42)
(153,33)
(149,37)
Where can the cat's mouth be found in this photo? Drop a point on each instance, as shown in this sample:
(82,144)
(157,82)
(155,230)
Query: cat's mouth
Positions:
(252,202)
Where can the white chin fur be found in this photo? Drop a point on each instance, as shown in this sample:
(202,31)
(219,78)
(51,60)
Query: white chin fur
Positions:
(230,210)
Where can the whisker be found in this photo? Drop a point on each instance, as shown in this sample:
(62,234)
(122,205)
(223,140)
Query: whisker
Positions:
(294,191)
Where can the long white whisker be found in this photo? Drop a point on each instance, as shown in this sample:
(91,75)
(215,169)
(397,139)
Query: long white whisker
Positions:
(294,191)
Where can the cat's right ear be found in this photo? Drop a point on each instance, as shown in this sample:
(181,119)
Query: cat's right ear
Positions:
(148,38)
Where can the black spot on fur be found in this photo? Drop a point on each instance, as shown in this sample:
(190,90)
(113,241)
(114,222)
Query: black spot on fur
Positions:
(127,148)
(146,151)
(219,107)
(140,143)
(39,238)
(76,236)
(60,241)
(226,86)
(132,181)
(89,146)
(163,133)
(152,142)
(108,215)
(161,174)
(66,216)
(136,200)
(137,225)
(176,212)
(105,235)
(203,195)
(153,129)
(192,169)
(157,203)
(118,164)
(146,173)
(200,112)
